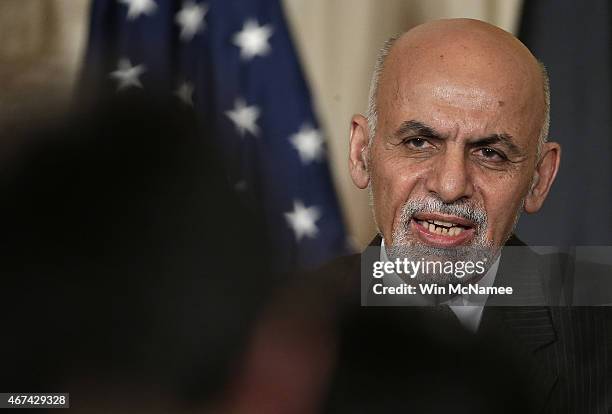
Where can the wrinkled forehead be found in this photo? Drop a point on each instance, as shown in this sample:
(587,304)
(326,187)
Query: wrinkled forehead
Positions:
(464,76)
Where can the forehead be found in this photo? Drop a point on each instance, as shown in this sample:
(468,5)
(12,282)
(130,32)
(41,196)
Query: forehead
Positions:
(462,83)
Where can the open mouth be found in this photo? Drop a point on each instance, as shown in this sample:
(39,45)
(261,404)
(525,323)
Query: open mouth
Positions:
(443,230)
(442,227)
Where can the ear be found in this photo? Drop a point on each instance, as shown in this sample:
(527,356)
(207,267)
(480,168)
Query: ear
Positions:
(358,151)
(545,174)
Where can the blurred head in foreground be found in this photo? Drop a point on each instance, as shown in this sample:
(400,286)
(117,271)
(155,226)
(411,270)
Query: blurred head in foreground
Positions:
(131,271)
(454,144)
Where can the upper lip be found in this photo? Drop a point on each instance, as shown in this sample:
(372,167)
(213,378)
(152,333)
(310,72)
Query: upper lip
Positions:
(444,217)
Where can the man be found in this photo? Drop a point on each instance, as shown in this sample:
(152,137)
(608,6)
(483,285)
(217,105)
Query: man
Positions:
(453,148)
(454,143)
(456,130)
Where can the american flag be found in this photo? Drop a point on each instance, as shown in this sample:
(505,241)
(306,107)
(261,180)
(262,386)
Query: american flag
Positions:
(234,64)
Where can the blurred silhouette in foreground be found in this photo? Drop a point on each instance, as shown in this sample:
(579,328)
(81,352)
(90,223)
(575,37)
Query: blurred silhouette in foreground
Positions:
(131,272)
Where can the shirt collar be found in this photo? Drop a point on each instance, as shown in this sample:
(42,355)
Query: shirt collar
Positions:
(467,309)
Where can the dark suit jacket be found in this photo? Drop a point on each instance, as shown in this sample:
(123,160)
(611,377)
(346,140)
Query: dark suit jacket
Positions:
(318,347)
(563,352)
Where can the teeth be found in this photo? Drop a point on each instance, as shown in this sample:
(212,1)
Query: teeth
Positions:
(448,229)
(455,231)
(443,223)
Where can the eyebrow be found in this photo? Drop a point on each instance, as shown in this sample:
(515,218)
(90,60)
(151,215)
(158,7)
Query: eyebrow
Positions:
(503,138)
(419,128)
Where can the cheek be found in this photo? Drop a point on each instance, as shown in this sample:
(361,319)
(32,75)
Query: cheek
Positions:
(393,183)
(502,200)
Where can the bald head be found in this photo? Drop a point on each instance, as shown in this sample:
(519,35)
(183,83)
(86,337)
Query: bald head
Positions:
(463,57)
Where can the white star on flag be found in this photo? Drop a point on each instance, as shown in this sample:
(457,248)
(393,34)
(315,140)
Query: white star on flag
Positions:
(302,220)
(127,75)
(185,93)
(244,117)
(309,143)
(253,39)
(191,19)
(138,7)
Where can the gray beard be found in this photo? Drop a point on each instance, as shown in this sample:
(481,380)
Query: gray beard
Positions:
(406,245)
(435,273)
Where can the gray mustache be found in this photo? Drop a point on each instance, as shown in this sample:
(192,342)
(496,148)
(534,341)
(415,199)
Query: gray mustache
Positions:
(463,209)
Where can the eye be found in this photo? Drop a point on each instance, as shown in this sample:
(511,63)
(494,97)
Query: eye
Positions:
(490,154)
(420,143)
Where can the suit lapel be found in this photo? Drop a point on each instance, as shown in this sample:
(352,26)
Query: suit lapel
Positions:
(376,241)
(529,315)
(528,329)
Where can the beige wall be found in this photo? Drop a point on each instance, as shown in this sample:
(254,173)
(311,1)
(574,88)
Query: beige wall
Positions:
(41,44)
(40,48)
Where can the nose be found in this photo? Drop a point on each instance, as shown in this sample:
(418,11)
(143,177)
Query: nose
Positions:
(450,179)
